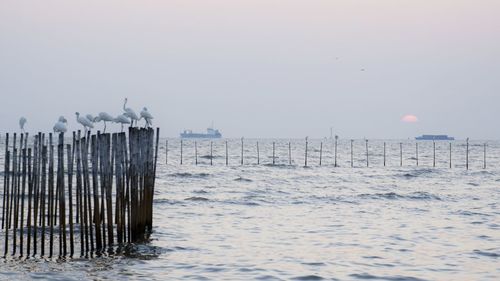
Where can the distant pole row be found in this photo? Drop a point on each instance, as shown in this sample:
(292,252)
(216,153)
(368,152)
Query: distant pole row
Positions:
(335,152)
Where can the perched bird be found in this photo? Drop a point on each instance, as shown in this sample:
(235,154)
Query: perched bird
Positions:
(22,122)
(130,113)
(122,119)
(105,117)
(91,118)
(60,126)
(147,116)
(84,121)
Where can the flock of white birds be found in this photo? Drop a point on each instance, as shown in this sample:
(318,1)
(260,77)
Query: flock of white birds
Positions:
(128,117)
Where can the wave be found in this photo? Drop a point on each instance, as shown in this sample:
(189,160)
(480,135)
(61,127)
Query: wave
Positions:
(308,277)
(366,276)
(419,195)
(189,175)
(487,254)
(197,198)
(418,173)
(241,179)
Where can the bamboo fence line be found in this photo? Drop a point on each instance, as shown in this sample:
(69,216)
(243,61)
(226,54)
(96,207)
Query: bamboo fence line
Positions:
(85,198)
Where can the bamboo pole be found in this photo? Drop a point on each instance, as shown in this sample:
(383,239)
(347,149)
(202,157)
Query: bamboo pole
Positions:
(336,140)
(352,153)
(182,144)
(5,180)
(433,154)
(401,154)
(196,152)
(61,198)
(227,157)
(450,155)
(23,195)
(484,156)
(6,187)
(467,155)
(289,153)
(384,154)
(274,153)
(258,154)
(366,143)
(416,152)
(305,153)
(242,151)
(320,153)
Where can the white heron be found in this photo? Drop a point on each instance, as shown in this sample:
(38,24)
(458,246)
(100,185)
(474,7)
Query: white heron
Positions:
(91,118)
(22,122)
(130,113)
(147,116)
(60,126)
(104,117)
(122,119)
(84,121)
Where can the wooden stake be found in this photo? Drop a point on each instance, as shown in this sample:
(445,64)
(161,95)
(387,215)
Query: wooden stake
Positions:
(352,153)
(336,140)
(305,156)
(258,154)
(467,155)
(196,152)
(366,143)
(320,153)
(484,157)
(211,153)
(401,154)
(289,153)
(274,153)
(227,157)
(416,152)
(433,154)
(384,154)
(181,150)
(242,151)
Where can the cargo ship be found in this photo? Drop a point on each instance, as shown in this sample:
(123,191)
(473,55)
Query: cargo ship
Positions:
(435,137)
(211,134)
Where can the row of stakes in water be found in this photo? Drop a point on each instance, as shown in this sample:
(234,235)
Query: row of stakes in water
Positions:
(306,153)
(85,198)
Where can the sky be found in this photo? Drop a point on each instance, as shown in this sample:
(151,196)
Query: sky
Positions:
(260,68)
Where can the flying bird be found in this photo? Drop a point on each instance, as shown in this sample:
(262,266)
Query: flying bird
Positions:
(130,113)
(84,121)
(147,116)
(60,126)
(122,119)
(22,122)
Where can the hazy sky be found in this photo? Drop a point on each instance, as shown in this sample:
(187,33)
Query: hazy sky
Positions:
(257,68)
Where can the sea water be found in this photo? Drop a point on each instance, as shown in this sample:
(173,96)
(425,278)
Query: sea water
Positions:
(291,222)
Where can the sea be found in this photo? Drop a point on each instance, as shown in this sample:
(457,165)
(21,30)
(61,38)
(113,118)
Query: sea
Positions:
(279,218)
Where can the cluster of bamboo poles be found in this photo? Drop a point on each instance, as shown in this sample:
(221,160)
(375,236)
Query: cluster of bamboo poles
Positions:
(103,205)
(335,150)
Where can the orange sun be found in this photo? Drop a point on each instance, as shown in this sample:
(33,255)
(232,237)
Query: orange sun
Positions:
(409,118)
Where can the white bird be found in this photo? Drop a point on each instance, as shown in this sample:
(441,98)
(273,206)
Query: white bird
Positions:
(122,119)
(105,117)
(130,113)
(60,126)
(22,121)
(91,118)
(147,116)
(86,123)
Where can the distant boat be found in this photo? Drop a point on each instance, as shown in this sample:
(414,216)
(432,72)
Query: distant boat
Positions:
(434,137)
(211,134)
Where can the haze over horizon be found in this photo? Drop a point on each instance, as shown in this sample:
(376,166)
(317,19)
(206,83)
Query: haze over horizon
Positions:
(256,68)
